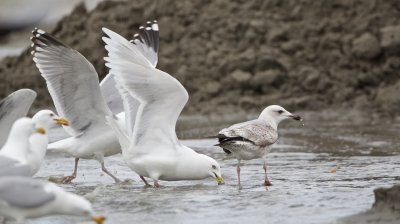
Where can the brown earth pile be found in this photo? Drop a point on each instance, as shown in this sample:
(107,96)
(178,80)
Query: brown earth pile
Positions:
(247,54)
(386,209)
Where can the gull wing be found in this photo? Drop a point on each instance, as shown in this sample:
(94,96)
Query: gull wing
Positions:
(24,192)
(256,131)
(14,106)
(147,42)
(72,82)
(11,167)
(161,96)
(111,95)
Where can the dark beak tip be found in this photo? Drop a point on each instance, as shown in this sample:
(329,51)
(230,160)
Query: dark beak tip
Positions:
(297,118)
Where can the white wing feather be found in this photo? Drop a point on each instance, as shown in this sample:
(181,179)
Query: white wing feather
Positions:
(162,97)
(14,106)
(72,82)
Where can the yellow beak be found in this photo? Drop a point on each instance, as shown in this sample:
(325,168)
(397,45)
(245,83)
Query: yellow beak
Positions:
(219,180)
(98,219)
(41,131)
(61,121)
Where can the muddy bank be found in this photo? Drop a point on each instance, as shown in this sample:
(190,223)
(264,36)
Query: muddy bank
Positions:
(243,55)
(386,209)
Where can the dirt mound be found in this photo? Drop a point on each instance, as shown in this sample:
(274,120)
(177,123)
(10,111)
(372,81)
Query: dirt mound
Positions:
(248,54)
(386,209)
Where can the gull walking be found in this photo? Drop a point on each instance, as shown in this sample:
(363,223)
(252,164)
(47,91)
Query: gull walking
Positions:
(74,87)
(254,139)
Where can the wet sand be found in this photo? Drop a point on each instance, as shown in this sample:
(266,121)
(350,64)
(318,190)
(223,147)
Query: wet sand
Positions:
(306,188)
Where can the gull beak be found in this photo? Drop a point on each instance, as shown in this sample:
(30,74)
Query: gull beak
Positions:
(219,179)
(295,117)
(98,219)
(41,131)
(61,121)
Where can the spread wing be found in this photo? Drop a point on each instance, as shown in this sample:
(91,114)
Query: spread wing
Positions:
(24,192)
(256,131)
(14,106)
(161,96)
(111,95)
(147,42)
(72,82)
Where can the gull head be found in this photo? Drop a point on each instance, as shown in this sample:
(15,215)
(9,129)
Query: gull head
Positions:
(276,114)
(48,119)
(211,168)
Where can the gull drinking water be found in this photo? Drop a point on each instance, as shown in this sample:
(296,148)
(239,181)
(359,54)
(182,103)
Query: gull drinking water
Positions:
(150,147)
(254,139)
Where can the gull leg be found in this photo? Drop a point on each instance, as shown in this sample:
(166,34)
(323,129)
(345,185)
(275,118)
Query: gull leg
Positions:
(266,180)
(68,179)
(156,184)
(238,174)
(109,174)
(145,181)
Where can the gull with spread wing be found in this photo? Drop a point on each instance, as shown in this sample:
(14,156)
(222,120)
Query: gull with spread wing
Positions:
(74,87)
(150,147)
(254,139)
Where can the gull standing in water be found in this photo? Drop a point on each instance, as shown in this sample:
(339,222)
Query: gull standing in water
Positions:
(26,146)
(74,87)
(14,106)
(20,142)
(151,147)
(23,197)
(254,139)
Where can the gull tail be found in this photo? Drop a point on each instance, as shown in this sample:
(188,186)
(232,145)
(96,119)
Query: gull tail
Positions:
(123,138)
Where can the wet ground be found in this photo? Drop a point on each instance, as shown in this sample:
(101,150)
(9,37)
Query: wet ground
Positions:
(320,172)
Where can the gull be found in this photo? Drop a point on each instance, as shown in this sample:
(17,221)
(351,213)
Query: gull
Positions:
(24,197)
(150,147)
(254,139)
(74,87)
(25,149)
(13,155)
(14,106)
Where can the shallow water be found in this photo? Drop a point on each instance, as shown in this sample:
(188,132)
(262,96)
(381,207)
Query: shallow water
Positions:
(305,190)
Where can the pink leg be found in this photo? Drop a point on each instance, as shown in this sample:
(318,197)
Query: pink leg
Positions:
(145,181)
(68,179)
(156,184)
(238,174)
(266,180)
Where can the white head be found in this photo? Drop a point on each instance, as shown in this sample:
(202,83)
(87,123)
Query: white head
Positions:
(79,206)
(207,166)
(275,114)
(48,119)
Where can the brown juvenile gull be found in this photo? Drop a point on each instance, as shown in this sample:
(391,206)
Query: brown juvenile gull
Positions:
(254,139)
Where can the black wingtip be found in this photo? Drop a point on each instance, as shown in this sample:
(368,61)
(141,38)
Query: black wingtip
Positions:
(149,35)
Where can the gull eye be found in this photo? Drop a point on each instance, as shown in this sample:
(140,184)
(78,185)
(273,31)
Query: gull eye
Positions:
(51,115)
(280,111)
(214,167)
